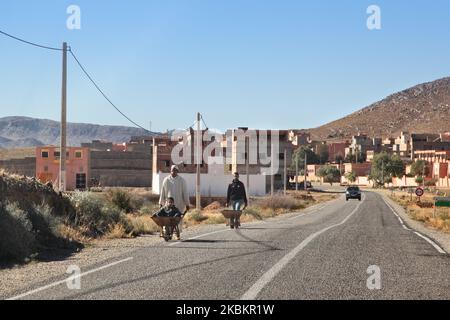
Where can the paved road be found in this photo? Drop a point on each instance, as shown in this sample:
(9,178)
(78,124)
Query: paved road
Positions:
(323,253)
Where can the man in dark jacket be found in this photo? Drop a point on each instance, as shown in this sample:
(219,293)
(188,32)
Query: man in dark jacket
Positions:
(236,195)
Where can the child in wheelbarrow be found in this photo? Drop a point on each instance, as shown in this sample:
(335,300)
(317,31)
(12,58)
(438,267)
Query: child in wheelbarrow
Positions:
(168,210)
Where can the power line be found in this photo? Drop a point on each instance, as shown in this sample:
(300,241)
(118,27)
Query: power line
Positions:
(102,93)
(203,120)
(30,43)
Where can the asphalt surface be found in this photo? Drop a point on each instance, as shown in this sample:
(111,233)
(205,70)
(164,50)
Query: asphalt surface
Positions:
(321,253)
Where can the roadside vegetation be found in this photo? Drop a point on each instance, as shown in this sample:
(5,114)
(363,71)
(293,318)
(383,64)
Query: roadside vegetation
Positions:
(35,220)
(423,211)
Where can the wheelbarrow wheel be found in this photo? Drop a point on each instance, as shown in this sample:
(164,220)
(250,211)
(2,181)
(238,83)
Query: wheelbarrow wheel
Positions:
(232,223)
(166,233)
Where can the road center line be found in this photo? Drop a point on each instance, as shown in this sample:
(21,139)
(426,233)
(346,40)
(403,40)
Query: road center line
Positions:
(71,278)
(253,292)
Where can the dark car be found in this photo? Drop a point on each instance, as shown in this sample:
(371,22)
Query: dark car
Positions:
(301,185)
(353,192)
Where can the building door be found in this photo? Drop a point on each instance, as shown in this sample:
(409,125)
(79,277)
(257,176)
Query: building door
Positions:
(80,182)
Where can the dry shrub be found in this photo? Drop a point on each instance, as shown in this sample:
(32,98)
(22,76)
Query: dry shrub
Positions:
(143,225)
(196,216)
(117,231)
(216,219)
(213,206)
(280,202)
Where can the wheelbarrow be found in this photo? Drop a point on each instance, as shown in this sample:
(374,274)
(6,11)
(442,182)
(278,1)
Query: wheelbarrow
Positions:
(168,225)
(233,216)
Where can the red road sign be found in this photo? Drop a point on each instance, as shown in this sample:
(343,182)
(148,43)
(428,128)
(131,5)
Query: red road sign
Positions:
(419,192)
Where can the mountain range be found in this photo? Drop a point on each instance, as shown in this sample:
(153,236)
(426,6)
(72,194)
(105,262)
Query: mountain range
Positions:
(20,132)
(424,108)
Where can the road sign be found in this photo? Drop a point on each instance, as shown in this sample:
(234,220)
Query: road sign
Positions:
(442,202)
(419,192)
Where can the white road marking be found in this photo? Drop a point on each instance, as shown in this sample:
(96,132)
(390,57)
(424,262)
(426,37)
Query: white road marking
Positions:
(314,210)
(253,292)
(434,244)
(439,249)
(396,214)
(71,278)
(199,236)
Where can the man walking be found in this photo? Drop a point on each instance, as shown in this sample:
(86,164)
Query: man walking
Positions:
(236,195)
(174,186)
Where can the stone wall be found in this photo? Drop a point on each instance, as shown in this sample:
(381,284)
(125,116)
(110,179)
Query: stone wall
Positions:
(26,166)
(121,169)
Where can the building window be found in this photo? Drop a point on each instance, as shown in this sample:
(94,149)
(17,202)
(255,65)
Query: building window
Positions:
(78,154)
(44,154)
(281,156)
(167,163)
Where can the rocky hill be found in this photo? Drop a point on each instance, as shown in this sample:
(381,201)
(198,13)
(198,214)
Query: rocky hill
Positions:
(20,132)
(422,109)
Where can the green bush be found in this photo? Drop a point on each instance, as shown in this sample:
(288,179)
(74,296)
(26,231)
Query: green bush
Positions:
(17,240)
(95,213)
(148,209)
(121,199)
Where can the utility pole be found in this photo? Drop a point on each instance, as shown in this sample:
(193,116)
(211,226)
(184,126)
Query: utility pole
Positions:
(285,171)
(63,125)
(423,174)
(247,165)
(197,189)
(296,171)
(382,172)
(305,171)
(272,175)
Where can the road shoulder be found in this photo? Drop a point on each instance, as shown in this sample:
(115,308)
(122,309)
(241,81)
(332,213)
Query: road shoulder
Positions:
(439,237)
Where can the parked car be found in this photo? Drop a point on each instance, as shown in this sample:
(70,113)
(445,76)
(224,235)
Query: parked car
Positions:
(353,192)
(301,185)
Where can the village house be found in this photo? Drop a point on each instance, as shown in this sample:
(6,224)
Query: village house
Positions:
(438,165)
(77,166)
(236,147)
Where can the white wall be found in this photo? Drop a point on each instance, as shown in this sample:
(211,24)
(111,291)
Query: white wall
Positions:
(214,185)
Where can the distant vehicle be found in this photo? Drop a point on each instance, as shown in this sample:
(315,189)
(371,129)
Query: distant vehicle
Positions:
(353,192)
(301,185)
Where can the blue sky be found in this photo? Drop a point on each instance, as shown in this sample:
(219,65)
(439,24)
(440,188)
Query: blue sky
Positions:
(262,64)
